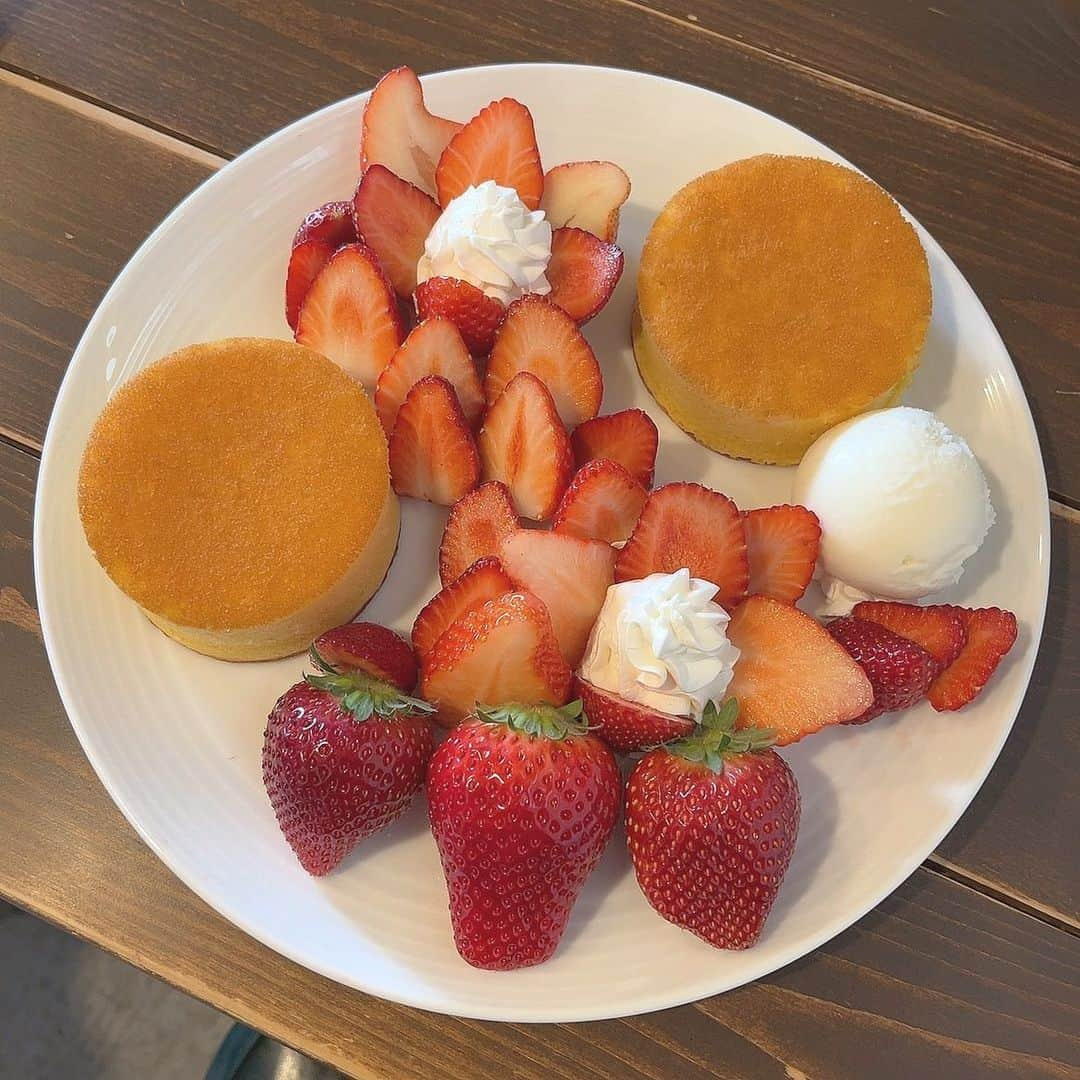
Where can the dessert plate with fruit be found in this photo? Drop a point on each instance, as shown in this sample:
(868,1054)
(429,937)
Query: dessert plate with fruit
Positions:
(630,521)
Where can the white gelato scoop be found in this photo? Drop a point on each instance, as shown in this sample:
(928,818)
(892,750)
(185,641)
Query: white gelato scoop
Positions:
(902,503)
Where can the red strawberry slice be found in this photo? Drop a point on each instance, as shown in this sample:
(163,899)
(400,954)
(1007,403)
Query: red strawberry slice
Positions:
(627,726)
(332,223)
(432,453)
(369,648)
(475,315)
(484,580)
(537,336)
(397,130)
(791,675)
(782,550)
(475,527)
(899,670)
(583,272)
(306,262)
(687,525)
(628,437)
(991,633)
(504,650)
(394,218)
(350,314)
(498,143)
(524,445)
(939,629)
(433,348)
(571,577)
(586,195)
(603,502)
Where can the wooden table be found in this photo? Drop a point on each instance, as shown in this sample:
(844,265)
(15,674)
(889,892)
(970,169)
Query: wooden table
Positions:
(966,110)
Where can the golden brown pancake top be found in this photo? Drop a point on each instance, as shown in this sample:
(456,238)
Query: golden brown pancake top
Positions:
(779,284)
(232,483)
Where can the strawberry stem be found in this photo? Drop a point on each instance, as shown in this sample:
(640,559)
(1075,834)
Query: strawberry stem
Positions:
(716,738)
(362,695)
(546,721)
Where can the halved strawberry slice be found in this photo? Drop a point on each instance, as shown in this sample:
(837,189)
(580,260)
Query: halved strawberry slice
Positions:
(791,675)
(536,335)
(691,526)
(782,550)
(628,437)
(991,633)
(394,218)
(603,502)
(475,527)
(627,726)
(475,315)
(432,453)
(586,195)
(306,263)
(583,272)
(433,348)
(370,648)
(498,143)
(939,628)
(350,314)
(502,651)
(524,445)
(397,130)
(484,580)
(332,223)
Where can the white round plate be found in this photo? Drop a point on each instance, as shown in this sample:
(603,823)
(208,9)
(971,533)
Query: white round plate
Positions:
(176,737)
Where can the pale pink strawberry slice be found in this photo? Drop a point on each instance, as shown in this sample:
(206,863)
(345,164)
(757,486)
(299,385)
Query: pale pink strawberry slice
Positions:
(434,348)
(498,143)
(538,336)
(475,527)
(586,195)
(484,580)
(583,272)
(394,217)
(397,130)
(571,576)
(628,437)
(603,502)
(350,315)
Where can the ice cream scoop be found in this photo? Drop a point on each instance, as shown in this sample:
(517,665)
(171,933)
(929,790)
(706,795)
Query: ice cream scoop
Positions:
(902,501)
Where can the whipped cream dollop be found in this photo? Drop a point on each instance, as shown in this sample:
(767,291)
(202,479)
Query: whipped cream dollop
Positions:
(488,237)
(662,642)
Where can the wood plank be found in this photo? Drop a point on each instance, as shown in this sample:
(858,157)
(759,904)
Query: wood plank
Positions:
(1006,68)
(939,980)
(226,74)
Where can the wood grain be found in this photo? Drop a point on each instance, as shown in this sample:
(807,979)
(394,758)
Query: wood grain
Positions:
(1007,68)
(224,74)
(938,980)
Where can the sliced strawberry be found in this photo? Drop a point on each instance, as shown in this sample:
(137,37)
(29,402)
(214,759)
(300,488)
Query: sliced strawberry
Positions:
(370,648)
(782,550)
(333,224)
(586,195)
(687,525)
(350,314)
(524,445)
(433,348)
(628,437)
(583,272)
(397,130)
(627,726)
(603,502)
(432,453)
(899,670)
(571,576)
(498,143)
(475,528)
(475,315)
(939,629)
(306,262)
(394,218)
(536,335)
(484,580)
(504,650)
(791,675)
(991,633)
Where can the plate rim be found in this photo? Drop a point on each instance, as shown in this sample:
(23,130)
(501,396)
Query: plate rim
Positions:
(68,693)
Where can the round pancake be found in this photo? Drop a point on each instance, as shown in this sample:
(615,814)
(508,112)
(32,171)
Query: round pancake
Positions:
(776,297)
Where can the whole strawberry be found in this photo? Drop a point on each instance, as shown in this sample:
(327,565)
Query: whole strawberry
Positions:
(522,802)
(711,823)
(343,755)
